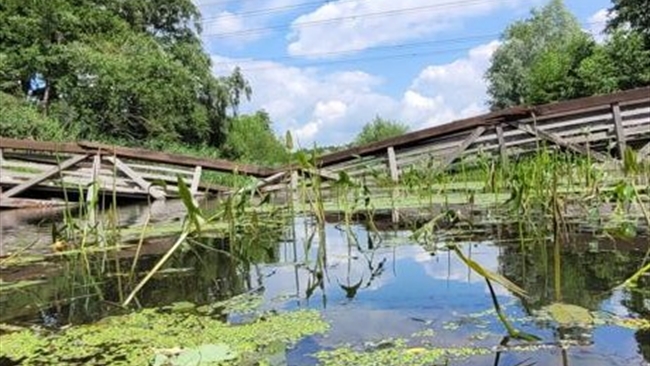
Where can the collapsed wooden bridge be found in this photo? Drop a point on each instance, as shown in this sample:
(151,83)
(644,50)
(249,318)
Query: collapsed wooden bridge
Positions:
(55,169)
(601,127)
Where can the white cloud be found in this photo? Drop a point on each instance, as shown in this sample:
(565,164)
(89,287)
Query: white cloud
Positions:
(597,23)
(330,108)
(371,23)
(443,93)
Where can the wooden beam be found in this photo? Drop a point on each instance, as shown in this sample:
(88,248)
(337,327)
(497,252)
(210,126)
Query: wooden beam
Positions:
(392,164)
(502,145)
(196,180)
(94,186)
(155,192)
(478,131)
(394,176)
(542,111)
(559,141)
(618,126)
(43,176)
(135,154)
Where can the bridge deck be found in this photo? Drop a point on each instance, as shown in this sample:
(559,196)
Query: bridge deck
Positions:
(59,169)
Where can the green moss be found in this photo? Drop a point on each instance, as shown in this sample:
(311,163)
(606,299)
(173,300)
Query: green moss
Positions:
(398,356)
(134,339)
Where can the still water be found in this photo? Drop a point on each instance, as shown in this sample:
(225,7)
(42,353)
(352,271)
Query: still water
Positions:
(376,287)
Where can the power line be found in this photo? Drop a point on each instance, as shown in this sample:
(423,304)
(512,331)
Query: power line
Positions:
(278,9)
(368,58)
(349,17)
(388,47)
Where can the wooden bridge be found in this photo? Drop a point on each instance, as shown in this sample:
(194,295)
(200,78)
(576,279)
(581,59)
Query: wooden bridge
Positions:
(56,169)
(601,127)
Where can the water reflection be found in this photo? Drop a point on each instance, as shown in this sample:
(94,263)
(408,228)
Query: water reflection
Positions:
(373,286)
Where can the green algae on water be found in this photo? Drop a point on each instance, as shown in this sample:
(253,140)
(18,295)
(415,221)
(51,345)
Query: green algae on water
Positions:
(136,339)
(400,355)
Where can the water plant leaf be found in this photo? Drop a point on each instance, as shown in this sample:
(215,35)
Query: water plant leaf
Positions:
(569,315)
(487,274)
(194,214)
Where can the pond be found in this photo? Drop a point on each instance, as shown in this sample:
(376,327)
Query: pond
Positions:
(381,292)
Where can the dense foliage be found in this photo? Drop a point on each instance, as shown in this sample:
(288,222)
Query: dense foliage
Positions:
(548,57)
(379,129)
(127,71)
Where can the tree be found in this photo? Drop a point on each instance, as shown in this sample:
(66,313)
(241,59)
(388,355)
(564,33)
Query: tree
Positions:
(549,44)
(621,63)
(632,13)
(250,138)
(128,70)
(379,129)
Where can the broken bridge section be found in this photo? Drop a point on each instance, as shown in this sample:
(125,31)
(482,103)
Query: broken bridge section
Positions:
(599,127)
(33,168)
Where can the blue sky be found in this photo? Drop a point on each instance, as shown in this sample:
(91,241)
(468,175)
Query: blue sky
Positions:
(322,69)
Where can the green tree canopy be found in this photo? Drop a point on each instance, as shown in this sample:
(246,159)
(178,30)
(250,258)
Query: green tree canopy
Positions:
(632,13)
(538,58)
(379,129)
(250,138)
(129,70)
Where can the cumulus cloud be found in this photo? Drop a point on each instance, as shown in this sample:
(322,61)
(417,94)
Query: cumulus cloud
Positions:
(597,23)
(345,25)
(443,93)
(331,107)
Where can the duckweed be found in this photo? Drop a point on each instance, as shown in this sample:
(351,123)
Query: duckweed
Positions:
(134,339)
(397,356)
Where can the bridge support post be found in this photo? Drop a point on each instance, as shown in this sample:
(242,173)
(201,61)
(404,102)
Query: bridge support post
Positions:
(93,189)
(394,176)
(618,126)
(196,180)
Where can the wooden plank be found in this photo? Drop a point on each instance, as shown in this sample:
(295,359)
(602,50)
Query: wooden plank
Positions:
(573,107)
(457,153)
(28,202)
(180,160)
(618,126)
(559,141)
(135,154)
(196,180)
(392,164)
(43,176)
(155,192)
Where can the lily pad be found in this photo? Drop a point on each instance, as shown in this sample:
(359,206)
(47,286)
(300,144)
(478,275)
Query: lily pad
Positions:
(569,315)
(203,355)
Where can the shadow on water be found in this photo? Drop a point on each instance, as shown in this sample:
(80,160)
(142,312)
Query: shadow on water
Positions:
(377,286)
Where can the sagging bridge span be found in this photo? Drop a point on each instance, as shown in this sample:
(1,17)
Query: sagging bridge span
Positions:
(602,127)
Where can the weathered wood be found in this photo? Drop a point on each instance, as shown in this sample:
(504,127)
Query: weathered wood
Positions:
(618,126)
(196,180)
(503,149)
(560,141)
(458,152)
(43,176)
(136,154)
(394,176)
(11,202)
(392,164)
(153,191)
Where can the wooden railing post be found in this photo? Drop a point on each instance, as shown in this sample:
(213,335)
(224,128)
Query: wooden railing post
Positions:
(394,176)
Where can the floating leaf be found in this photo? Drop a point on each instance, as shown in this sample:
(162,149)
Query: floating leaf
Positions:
(569,315)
